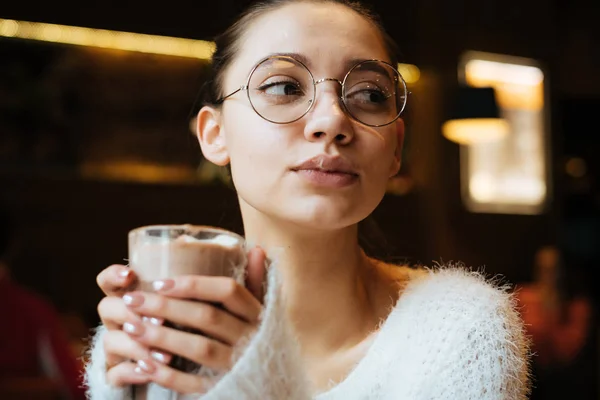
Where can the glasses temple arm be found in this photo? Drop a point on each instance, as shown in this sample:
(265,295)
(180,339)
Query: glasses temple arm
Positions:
(222,99)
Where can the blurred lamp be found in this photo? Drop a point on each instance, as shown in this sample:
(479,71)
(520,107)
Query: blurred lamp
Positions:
(475,117)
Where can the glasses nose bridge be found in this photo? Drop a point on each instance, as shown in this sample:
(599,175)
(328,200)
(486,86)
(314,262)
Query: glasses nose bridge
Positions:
(329,80)
(340,97)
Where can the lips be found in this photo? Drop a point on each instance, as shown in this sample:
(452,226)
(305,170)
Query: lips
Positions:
(327,171)
(327,164)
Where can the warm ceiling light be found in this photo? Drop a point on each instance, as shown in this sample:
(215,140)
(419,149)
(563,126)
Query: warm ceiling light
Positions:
(522,86)
(474,117)
(503,72)
(576,167)
(476,130)
(127,41)
(107,39)
(409,72)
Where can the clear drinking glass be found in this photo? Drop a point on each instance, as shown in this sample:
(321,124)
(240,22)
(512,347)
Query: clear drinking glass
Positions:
(165,251)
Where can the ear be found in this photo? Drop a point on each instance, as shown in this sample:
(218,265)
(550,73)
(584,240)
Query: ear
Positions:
(395,167)
(211,136)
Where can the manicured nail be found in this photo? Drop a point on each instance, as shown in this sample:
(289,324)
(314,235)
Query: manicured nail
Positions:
(160,357)
(163,285)
(133,299)
(146,366)
(152,320)
(133,329)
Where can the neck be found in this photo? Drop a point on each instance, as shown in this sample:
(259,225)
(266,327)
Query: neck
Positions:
(327,281)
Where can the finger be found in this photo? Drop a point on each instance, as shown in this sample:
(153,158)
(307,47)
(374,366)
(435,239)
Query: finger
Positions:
(194,347)
(217,289)
(119,346)
(114,279)
(256,272)
(125,374)
(211,320)
(113,312)
(170,378)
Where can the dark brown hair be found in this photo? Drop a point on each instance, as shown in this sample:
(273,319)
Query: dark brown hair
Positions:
(228,43)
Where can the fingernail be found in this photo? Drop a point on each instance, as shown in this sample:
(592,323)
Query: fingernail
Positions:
(163,285)
(152,320)
(160,357)
(125,273)
(140,371)
(133,329)
(146,366)
(133,299)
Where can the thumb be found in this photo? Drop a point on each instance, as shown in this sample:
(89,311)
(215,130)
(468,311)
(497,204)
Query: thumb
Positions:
(256,270)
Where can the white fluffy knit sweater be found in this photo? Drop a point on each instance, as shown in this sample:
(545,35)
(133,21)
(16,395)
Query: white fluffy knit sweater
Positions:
(451,336)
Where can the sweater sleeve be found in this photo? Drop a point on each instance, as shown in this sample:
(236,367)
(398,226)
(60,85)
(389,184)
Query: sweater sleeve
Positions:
(95,373)
(486,346)
(266,367)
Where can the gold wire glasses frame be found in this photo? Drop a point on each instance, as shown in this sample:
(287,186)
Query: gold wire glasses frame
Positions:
(401,98)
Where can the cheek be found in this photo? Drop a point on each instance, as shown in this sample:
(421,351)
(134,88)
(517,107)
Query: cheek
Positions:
(380,156)
(257,152)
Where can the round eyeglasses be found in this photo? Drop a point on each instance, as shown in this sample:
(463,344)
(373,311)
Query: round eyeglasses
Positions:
(282,90)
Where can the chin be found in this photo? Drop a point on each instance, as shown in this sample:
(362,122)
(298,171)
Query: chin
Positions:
(323,212)
(324,215)
(321,224)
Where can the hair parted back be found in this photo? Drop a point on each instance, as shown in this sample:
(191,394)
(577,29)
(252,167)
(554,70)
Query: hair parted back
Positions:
(228,43)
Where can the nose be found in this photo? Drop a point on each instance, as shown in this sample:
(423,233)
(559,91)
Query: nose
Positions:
(327,120)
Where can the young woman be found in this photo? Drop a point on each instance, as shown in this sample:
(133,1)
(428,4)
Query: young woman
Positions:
(305,107)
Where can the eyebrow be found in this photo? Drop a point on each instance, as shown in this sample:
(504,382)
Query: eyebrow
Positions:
(300,57)
(304,60)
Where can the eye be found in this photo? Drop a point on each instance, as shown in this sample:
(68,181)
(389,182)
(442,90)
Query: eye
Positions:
(371,96)
(281,88)
(367,94)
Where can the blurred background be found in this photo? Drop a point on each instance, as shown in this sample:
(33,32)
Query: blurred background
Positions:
(95,140)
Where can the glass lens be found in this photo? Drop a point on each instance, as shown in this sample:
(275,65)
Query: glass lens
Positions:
(281,89)
(374,93)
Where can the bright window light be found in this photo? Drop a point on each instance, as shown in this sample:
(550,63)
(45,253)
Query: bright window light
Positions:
(509,175)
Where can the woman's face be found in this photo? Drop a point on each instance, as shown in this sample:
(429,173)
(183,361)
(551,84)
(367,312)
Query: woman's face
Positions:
(265,157)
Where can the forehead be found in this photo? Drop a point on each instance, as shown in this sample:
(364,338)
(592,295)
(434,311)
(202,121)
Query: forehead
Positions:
(327,35)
